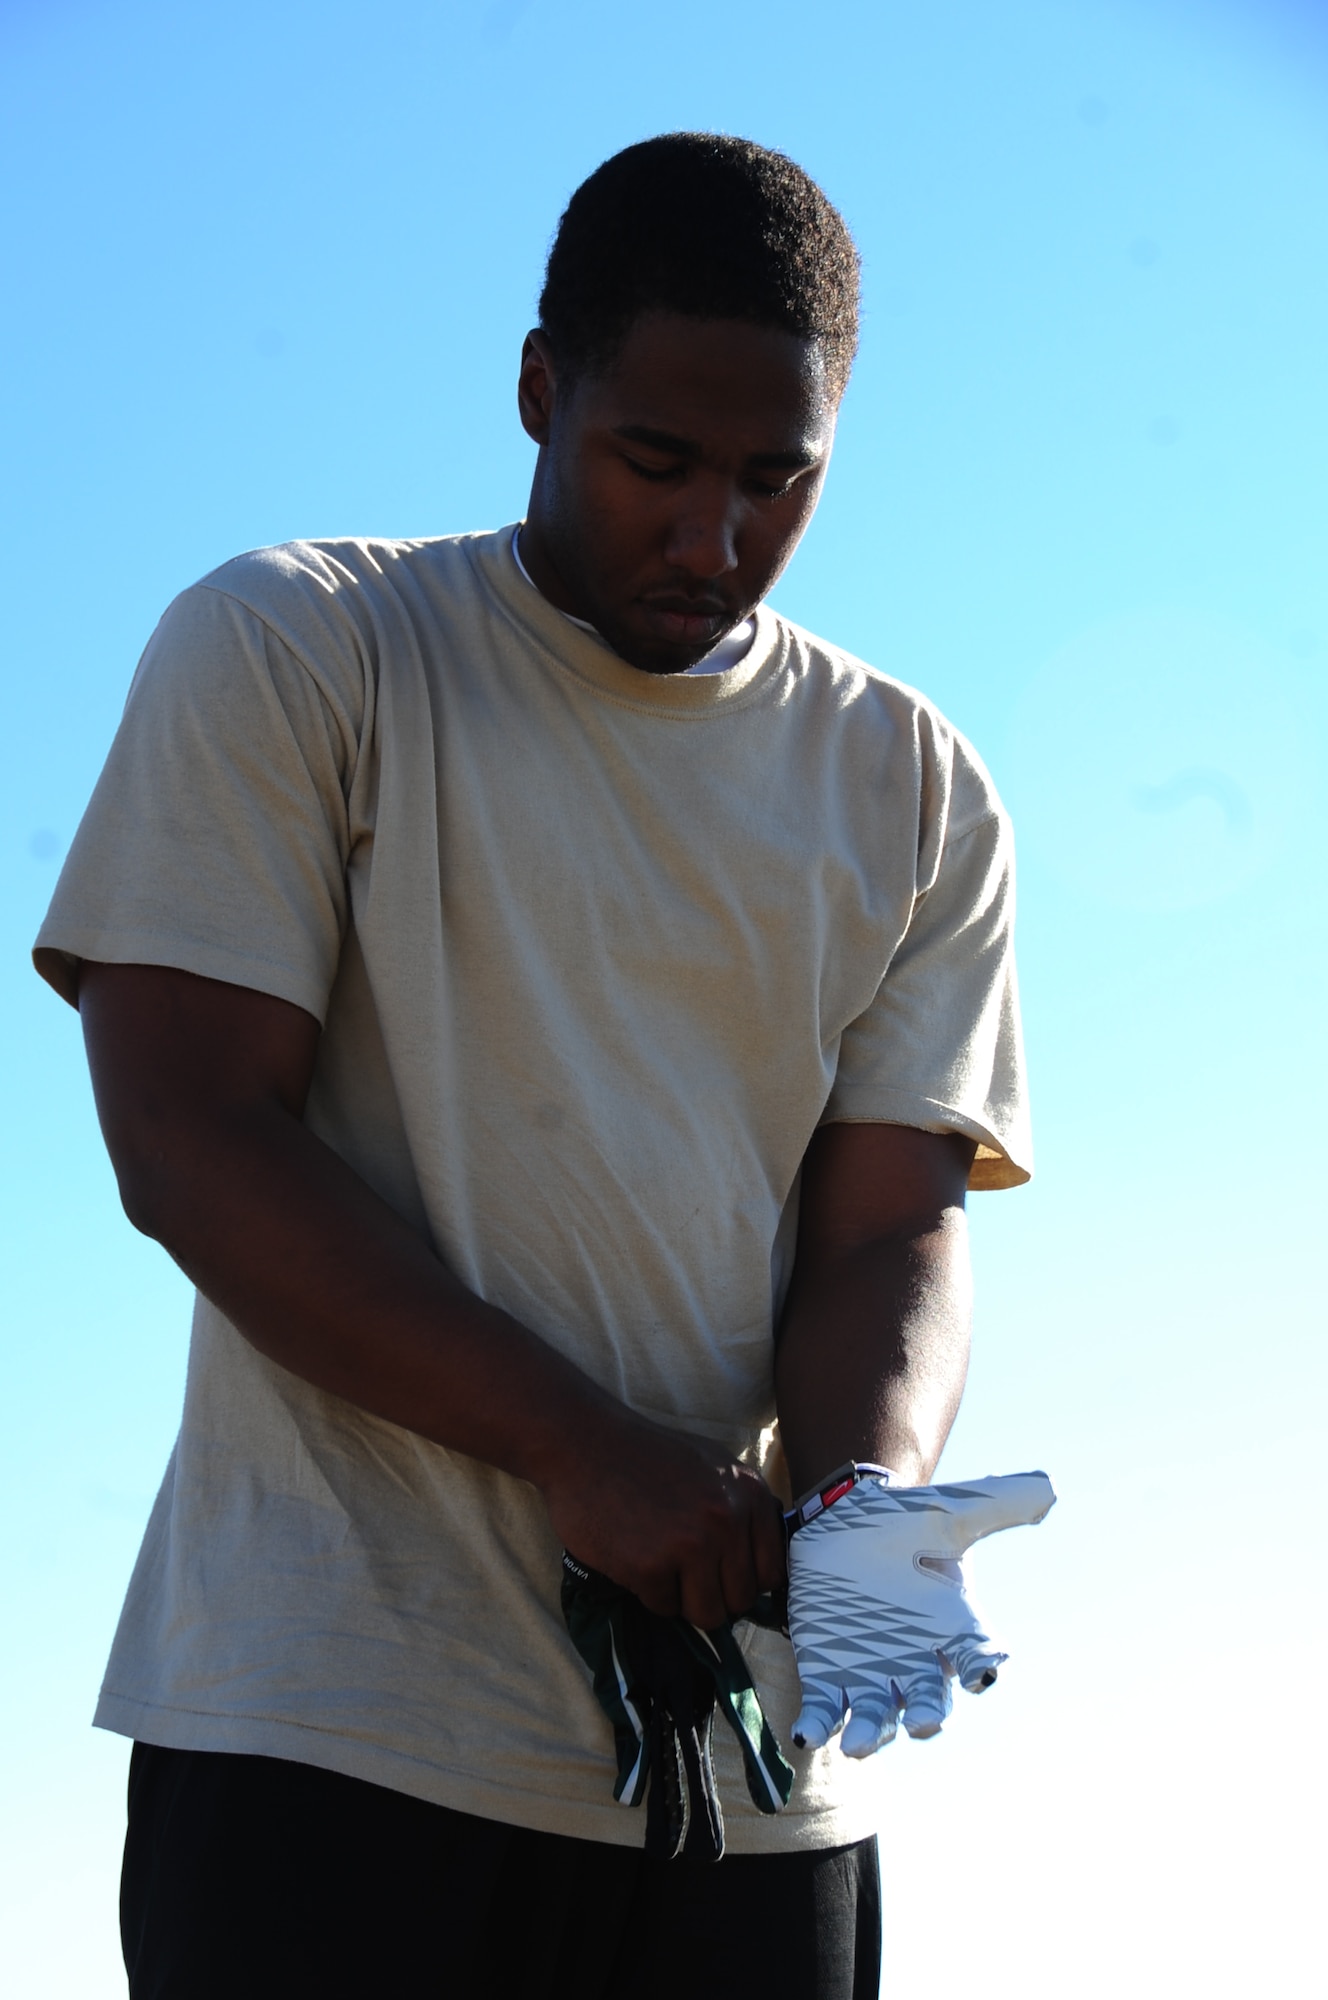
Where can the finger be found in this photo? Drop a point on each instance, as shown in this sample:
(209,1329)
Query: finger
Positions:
(926,1698)
(976,1660)
(661,1594)
(666,1806)
(702,1600)
(820,1716)
(979,1507)
(770,1547)
(738,1580)
(873,1722)
(705,1816)
(761,1567)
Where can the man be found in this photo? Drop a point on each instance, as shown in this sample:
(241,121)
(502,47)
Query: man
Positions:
(552,1008)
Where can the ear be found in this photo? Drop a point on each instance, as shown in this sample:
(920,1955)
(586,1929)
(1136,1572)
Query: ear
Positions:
(536,390)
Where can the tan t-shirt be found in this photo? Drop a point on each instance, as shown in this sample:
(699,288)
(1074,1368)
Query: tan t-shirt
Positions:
(594,952)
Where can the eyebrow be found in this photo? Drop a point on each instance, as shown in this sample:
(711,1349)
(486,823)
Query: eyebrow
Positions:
(772,461)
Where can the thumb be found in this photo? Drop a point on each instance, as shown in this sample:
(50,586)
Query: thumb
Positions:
(981,1507)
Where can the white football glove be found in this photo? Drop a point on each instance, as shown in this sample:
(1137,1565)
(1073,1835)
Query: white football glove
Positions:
(878,1611)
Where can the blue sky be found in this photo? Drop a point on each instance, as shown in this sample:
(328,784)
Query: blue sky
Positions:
(268,272)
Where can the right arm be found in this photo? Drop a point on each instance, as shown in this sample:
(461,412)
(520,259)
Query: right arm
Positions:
(200,1089)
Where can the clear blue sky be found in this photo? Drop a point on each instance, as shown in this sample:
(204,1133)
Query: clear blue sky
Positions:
(267,272)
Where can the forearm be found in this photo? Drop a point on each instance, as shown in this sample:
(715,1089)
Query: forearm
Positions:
(201,1088)
(325,1278)
(872,1353)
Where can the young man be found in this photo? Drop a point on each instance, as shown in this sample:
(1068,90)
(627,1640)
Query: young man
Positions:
(552,1007)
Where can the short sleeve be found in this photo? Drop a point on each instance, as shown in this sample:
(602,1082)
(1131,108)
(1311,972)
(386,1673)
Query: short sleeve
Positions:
(940,1047)
(218,836)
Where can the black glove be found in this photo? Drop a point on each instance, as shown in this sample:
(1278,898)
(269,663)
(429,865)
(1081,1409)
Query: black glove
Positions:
(658,1680)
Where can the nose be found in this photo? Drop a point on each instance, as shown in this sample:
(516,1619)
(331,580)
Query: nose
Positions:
(703,533)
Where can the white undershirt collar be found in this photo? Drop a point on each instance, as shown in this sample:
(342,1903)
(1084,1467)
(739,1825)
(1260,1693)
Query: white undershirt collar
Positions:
(724,654)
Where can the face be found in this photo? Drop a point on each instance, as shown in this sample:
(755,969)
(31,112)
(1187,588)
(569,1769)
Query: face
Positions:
(672,489)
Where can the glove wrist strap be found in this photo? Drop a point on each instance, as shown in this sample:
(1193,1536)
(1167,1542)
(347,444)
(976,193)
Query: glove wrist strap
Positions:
(841,1481)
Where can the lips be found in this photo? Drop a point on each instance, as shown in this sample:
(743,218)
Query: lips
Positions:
(686,630)
(688,621)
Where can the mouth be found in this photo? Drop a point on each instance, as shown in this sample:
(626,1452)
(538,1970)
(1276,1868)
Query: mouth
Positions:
(690,622)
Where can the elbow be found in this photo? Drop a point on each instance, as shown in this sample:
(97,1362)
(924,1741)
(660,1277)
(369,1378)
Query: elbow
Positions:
(144,1194)
(156,1173)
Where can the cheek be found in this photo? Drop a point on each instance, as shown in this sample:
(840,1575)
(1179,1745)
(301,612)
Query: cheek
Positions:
(611,534)
(777,532)
(624,513)
(590,513)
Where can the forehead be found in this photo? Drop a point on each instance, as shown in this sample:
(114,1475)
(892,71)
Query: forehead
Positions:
(707,378)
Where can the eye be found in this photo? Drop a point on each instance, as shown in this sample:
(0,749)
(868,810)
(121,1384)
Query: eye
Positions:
(766,489)
(655,472)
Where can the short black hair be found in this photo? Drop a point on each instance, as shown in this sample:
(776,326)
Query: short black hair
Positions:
(707,226)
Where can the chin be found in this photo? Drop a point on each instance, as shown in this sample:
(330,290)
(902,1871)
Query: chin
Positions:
(648,656)
(648,661)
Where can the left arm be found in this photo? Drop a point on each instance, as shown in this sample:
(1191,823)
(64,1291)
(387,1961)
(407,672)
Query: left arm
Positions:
(873,1342)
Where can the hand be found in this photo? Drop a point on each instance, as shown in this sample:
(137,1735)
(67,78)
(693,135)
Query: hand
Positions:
(659,1681)
(687,1528)
(879,1613)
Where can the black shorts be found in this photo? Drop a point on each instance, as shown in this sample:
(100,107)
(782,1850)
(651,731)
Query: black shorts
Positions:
(249,1877)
